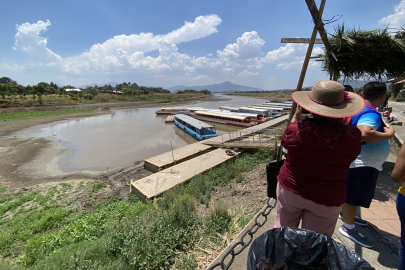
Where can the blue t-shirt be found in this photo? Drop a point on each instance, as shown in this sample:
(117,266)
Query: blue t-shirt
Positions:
(372,154)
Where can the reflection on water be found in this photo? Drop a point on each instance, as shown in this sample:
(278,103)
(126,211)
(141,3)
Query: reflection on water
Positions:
(121,137)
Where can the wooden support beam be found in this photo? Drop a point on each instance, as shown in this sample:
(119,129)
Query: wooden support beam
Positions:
(300,40)
(317,17)
(306,60)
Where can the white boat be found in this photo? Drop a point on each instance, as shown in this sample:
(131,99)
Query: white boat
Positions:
(279,110)
(178,110)
(277,104)
(253,116)
(224,118)
(264,112)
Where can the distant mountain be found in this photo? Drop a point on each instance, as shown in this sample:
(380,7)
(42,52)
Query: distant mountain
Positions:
(98,84)
(221,87)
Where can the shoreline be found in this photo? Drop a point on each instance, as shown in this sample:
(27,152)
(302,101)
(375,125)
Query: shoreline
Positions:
(28,162)
(8,127)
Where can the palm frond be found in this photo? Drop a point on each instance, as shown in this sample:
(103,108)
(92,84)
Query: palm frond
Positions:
(365,53)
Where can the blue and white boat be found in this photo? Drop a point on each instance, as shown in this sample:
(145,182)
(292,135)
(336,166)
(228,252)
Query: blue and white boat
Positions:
(195,128)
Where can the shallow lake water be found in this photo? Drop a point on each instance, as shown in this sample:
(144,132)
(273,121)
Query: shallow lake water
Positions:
(121,137)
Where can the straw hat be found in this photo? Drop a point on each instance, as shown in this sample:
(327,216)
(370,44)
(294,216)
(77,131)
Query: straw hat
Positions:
(329,98)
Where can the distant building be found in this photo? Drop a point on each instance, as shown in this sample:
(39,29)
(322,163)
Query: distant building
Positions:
(73,90)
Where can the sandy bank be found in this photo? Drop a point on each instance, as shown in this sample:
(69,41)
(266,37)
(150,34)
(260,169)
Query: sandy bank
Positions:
(26,162)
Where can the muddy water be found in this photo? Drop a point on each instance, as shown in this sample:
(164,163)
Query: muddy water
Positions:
(122,137)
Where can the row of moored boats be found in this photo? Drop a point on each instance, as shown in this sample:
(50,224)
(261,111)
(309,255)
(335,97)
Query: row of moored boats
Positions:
(186,118)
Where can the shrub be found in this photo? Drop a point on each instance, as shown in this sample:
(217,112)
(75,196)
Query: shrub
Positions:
(186,262)
(152,240)
(217,220)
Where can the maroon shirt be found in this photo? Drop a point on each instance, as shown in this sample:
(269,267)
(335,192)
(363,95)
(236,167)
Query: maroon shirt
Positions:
(318,159)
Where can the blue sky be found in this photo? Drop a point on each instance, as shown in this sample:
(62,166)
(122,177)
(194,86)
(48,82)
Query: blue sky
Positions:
(167,43)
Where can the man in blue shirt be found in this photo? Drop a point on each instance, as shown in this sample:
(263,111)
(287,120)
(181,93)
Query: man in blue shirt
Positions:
(363,172)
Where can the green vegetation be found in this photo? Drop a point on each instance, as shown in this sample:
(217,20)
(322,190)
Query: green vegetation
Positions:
(96,187)
(37,114)
(44,231)
(43,93)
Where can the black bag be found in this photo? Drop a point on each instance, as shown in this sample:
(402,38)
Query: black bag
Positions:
(272,170)
(294,249)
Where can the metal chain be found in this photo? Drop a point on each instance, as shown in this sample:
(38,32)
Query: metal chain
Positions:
(235,249)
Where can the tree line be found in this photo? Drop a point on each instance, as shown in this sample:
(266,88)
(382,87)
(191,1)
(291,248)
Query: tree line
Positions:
(9,87)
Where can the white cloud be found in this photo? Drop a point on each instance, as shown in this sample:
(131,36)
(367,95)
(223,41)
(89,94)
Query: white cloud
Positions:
(396,20)
(13,68)
(247,46)
(228,70)
(291,56)
(201,27)
(202,78)
(28,40)
(247,73)
(126,54)
(205,62)
(128,51)
(280,53)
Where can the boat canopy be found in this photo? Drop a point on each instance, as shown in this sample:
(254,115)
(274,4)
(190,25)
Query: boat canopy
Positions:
(192,121)
(260,110)
(173,109)
(279,104)
(222,115)
(227,108)
(269,108)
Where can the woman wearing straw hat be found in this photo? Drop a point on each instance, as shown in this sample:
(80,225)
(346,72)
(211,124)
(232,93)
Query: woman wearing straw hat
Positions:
(312,181)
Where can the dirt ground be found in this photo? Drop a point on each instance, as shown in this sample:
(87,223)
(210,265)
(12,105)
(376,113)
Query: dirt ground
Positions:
(31,163)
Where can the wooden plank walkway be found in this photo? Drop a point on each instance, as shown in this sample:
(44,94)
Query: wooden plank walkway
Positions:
(165,160)
(169,119)
(155,184)
(162,161)
(261,136)
(179,166)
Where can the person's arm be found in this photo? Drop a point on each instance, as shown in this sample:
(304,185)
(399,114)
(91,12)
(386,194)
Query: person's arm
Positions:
(297,117)
(398,173)
(368,134)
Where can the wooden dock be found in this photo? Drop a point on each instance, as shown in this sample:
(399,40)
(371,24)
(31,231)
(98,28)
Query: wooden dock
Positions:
(180,165)
(169,119)
(165,160)
(156,184)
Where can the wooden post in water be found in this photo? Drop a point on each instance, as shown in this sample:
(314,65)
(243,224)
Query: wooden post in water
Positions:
(171,146)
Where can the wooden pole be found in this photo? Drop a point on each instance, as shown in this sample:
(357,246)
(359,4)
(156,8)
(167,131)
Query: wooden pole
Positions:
(317,17)
(307,57)
(171,146)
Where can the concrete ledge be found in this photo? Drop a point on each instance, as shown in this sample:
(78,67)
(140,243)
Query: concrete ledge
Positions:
(398,140)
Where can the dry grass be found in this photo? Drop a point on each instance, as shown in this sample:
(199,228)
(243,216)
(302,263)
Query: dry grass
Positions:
(209,248)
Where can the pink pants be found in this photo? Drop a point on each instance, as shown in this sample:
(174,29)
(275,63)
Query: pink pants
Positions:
(291,208)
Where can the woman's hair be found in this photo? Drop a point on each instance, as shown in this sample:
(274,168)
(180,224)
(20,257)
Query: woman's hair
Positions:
(320,118)
(348,88)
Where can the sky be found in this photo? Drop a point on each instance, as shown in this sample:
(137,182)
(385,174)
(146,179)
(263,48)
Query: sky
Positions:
(165,43)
